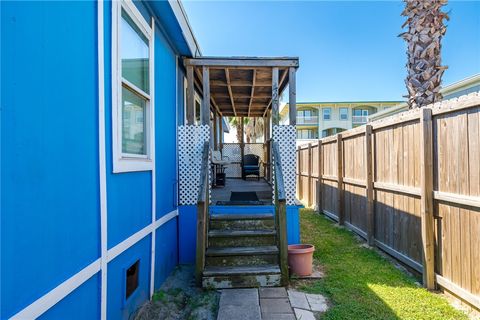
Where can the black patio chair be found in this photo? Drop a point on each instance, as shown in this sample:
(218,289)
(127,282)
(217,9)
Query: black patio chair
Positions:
(250,166)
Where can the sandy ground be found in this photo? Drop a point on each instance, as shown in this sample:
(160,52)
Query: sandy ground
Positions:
(179,299)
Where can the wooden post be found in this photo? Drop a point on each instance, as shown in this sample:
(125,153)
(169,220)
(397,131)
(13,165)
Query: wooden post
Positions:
(369,185)
(292,97)
(242,139)
(426,206)
(310,164)
(215,131)
(341,217)
(220,133)
(320,180)
(205,113)
(300,185)
(275,107)
(190,96)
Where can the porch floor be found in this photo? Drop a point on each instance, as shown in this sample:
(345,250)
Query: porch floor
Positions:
(261,187)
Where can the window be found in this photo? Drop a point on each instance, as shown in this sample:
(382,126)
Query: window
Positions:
(327,113)
(306,134)
(343,113)
(131,279)
(132,74)
(360,112)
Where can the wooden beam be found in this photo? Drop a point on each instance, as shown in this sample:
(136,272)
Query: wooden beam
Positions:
(190,96)
(426,201)
(212,100)
(275,106)
(240,83)
(227,76)
(292,96)
(253,91)
(243,62)
(239,96)
(205,113)
(284,75)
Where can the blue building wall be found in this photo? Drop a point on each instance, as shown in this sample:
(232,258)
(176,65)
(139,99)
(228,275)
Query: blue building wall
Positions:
(50,208)
(49,147)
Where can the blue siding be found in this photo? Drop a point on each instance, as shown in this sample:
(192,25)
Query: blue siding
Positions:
(166,251)
(187,233)
(117,307)
(129,195)
(293,225)
(165,126)
(83,303)
(49,147)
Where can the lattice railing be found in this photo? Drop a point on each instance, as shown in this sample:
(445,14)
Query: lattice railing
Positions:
(234,153)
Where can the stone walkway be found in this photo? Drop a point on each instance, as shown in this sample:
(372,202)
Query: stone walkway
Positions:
(269,304)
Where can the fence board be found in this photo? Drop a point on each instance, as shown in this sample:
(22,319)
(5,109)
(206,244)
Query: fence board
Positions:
(396,187)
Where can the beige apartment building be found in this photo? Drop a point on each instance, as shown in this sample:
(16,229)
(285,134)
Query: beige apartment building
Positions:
(320,119)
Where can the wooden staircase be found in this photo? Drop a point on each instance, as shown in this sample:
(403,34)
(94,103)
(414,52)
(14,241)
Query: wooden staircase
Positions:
(242,250)
(241,246)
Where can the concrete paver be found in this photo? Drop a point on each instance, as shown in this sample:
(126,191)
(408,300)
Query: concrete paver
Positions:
(298,299)
(304,314)
(232,312)
(317,302)
(276,292)
(278,305)
(239,297)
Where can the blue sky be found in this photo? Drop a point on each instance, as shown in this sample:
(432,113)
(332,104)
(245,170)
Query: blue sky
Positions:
(348,50)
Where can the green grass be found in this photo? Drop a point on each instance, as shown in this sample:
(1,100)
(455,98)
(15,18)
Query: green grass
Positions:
(360,283)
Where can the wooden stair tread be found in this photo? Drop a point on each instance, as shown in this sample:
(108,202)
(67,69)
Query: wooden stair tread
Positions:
(254,216)
(237,233)
(237,251)
(241,270)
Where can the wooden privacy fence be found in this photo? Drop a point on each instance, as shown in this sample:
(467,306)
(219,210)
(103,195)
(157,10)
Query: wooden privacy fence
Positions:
(409,184)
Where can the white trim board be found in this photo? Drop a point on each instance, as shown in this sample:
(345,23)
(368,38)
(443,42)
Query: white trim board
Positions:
(152,153)
(50,299)
(55,295)
(101,159)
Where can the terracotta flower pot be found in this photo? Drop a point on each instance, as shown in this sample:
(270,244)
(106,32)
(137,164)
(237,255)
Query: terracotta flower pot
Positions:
(300,258)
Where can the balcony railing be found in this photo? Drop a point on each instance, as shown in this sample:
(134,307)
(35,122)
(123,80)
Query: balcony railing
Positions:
(307,120)
(359,119)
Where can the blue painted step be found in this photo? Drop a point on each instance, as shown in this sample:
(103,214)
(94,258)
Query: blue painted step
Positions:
(242,210)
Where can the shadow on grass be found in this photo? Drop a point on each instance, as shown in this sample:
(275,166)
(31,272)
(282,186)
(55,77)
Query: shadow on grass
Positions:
(362,284)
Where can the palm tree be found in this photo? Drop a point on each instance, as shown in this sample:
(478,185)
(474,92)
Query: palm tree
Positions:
(425,20)
(237,123)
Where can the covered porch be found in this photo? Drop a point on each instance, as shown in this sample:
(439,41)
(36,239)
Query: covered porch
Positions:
(249,90)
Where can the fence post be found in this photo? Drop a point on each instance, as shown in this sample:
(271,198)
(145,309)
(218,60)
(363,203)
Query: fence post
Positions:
(369,185)
(320,181)
(341,217)
(300,186)
(426,206)
(310,163)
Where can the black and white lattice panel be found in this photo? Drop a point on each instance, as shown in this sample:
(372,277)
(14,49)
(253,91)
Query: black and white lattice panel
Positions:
(286,138)
(191,139)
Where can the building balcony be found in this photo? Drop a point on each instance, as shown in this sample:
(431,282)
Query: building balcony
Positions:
(307,120)
(359,119)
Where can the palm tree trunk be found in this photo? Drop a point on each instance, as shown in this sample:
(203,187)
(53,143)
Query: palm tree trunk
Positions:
(425,20)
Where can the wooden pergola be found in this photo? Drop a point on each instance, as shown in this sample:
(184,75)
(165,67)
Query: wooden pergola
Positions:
(240,87)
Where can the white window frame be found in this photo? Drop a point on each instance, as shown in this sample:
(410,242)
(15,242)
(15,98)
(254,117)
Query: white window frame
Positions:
(340,113)
(329,115)
(126,162)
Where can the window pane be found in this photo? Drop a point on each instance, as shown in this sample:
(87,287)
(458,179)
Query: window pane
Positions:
(133,123)
(134,53)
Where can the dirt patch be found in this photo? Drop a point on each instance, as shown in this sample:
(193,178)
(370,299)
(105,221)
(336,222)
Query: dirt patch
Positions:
(180,299)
